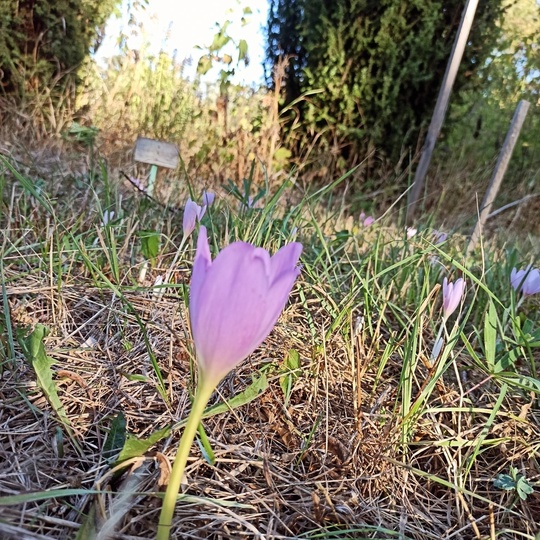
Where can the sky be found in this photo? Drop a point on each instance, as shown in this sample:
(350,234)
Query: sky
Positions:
(181,25)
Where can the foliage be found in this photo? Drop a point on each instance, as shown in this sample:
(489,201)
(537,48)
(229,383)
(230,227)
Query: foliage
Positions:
(380,65)
(215,54)
(514,481)
(478,123)
(347,383)
(137,93)
(219,134)
(43,42)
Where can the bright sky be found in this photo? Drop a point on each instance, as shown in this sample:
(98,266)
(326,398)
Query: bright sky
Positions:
(182,24)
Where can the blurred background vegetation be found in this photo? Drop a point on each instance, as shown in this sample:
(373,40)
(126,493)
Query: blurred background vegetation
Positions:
(349,83)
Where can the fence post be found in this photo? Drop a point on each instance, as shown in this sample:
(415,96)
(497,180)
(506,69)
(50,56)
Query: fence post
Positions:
(500,169)
(442,104)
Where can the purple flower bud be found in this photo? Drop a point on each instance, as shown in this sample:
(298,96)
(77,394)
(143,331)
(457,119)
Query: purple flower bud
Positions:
(439,237)
(208,198)
(108,216)
(366,221)
(527,280)
(452,294)
(236,300)
(192,213)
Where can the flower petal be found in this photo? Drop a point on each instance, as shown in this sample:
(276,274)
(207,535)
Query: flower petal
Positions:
(201,264)
(192,212)
(208,198)
(452,295)
(236,300)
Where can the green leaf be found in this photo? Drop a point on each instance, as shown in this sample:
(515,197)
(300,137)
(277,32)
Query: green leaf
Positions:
(523,381)
(523,488)
(88,530)
(134,447)
(46,495)
(490,335)
(204,65)
(504,481)
(135,377)
(149,244)
(507,360)
(253,391)
(282,155)
(242,50)
(117,435)
(205,446)
(34,351)
(290,372)
(221,38)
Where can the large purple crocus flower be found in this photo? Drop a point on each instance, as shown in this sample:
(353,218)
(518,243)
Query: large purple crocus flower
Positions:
(452,294)
(236,300)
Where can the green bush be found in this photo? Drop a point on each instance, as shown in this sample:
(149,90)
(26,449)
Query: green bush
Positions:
(43,42)
(379,65)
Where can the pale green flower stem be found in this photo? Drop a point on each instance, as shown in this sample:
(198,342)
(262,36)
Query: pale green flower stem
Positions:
(202,395)
(439,341)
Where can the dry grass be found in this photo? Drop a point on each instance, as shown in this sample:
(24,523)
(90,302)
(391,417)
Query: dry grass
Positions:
(330,464)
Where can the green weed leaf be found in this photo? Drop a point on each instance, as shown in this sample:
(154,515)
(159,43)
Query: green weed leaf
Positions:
(117,435)
(253,391)
(290,370)
(504,481)
(134,447)
(205,446)
(490,335)
(149,244)
(523,488)
(33,349)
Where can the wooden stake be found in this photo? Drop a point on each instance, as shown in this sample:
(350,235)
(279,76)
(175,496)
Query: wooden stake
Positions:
(500,169)
(442,105)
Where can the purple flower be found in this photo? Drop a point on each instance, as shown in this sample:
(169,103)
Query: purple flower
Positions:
(366,221)
(236,300)
(527,280)
(208,198)
(452,294)
(192,213)
(108,216)
(439,237)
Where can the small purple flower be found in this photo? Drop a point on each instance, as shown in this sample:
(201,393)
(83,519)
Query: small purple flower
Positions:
(107,217)
(366,221)
(192,213)
(235,301)
(137,183)
(208,198)
(527,280)
(452,295)
(439,237)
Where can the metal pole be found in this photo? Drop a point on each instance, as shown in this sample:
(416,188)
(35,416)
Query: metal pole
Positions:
(442,104)
(500,169)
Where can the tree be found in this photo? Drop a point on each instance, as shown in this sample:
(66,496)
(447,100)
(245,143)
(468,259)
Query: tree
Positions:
(379,63)
(41,41)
